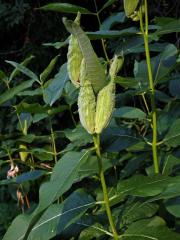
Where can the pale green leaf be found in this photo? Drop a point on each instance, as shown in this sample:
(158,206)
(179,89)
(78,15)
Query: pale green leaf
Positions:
(24,70)
(16,71)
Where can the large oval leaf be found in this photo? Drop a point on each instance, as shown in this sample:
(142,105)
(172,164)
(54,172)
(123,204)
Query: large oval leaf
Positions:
(58,217)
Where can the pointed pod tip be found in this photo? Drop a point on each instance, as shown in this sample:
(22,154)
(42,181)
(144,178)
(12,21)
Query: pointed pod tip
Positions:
(64,19)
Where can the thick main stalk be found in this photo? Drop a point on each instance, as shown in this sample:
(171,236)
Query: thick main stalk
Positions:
(151,86)
(96,139)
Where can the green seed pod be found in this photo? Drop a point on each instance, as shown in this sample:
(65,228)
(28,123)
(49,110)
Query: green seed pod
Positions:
(23,155)
(87,107)
(83,73)
(130,7)
(104,107)
(74,57)
(115,66)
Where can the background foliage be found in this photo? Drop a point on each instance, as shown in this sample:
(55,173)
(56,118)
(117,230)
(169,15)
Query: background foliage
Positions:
(48,153)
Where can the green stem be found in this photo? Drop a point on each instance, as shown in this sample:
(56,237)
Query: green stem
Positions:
(145,102)
(151,85)
(96,139)
(53,144)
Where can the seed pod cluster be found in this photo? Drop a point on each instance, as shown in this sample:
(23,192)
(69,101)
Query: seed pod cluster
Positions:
(95,112)
(74,57)
(95,104)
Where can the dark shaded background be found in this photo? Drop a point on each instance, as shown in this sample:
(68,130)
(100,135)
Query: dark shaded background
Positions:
(24,28)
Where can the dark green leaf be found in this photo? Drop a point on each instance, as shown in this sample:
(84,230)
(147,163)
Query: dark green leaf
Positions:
(127,82)
(174,88)
(30,176)
(167,27)
(112,20)
(164,63)
(18,228)
(64,7)
(58,217)
(95,231)
(15,90)
(129,112)
(153,229)
(162,97)
(107,4)
(53,91)
(173,206)
(133,165)
(78,136)
(164,121)
(56,45)
(63,176)
(45,74)
(46,227)
(31,108)
(111,33)
(130,45)
(137,211)
(90,166)
(36,92)
(3,76)
(144,186)
(170,162)
(117,139)
(172,138)
(39,116)
(172,190)
(74,208)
